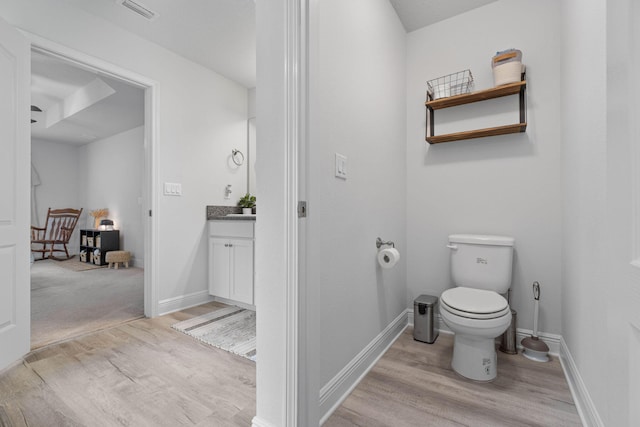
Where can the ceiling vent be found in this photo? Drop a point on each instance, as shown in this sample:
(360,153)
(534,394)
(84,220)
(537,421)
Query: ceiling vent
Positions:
(138,8)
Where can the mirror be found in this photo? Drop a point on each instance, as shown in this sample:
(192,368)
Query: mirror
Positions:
(251,155)
(251,142)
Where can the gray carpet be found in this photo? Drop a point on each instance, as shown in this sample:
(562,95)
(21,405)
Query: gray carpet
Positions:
(67,304)
(232,329)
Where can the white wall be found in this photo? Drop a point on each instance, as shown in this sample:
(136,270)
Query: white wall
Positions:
(584,175)
(200,115)
(357,108)
(600,68)
(57,166)
(111,176)
(506,185)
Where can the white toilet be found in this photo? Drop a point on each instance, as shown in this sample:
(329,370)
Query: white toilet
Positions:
(481,270)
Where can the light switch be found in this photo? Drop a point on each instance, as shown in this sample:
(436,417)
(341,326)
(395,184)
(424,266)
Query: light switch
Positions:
(172,189)
(341,166)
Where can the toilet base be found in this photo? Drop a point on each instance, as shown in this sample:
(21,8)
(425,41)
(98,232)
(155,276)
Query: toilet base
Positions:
(475,358)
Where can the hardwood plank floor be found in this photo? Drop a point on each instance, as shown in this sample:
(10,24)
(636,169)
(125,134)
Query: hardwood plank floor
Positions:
(414,385)
(142,373)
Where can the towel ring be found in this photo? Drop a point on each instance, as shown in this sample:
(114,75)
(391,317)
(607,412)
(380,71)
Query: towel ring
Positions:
(237,157)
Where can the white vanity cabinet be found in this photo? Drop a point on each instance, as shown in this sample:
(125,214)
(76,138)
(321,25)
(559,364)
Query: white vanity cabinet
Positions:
(231,260)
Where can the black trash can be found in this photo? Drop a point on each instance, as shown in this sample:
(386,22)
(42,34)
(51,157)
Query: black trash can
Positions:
(425,328)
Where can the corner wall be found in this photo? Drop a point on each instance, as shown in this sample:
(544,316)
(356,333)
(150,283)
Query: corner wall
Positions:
(584,157)
(506,185)
(601,163)
(357,109)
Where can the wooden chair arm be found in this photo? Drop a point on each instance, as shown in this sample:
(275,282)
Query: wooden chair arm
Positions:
(37,233)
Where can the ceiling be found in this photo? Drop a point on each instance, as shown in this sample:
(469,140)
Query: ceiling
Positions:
(416,14)
(218,34)
(80,106)
(221,34)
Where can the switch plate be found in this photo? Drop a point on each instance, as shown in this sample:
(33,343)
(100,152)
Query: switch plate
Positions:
(341,166)
(172,189)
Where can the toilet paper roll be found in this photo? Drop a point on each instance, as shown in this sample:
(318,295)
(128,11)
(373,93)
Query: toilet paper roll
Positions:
(388,257)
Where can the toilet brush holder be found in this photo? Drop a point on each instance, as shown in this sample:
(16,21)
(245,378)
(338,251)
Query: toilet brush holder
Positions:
(508,342)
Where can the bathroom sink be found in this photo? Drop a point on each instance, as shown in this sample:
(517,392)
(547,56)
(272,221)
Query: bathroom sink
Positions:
(243,215)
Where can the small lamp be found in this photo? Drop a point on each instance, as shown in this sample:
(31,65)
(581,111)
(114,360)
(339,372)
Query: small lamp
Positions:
(106,224)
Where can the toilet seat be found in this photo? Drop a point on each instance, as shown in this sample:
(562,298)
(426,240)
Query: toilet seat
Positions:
(477,304)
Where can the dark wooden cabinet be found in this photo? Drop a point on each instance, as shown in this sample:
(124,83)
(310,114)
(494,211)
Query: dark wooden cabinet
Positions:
(101,240)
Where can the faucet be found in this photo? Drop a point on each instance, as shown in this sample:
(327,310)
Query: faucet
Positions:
(227,191)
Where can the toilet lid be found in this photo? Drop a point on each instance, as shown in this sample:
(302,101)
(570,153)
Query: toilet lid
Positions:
(474,301)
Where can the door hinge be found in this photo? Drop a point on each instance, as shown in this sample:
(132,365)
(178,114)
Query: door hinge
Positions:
(302,209)
(149,212)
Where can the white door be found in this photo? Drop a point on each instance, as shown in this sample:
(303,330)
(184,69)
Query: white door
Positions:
(242,270)
(15,150)
(219,262)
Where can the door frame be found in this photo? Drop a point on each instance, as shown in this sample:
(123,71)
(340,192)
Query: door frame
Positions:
(150,199)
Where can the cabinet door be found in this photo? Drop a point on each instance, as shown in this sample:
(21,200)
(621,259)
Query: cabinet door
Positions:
(219,263)
(241,270)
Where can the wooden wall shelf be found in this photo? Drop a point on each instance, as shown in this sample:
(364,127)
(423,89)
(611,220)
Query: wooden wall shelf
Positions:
(483,95)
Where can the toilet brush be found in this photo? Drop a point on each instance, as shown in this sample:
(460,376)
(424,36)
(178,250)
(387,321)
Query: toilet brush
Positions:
(533,347)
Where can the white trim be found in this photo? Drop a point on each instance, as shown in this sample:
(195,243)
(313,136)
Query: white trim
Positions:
(442,327)
(182,302)
(551,340)
(151,143)
(233,302)
(585,406)
(295,114)
(258,422)
(338,388)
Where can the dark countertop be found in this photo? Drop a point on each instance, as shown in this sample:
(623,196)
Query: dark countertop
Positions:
(218,213)
(233,218)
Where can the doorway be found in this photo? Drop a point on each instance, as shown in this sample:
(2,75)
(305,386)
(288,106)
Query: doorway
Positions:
(81,159)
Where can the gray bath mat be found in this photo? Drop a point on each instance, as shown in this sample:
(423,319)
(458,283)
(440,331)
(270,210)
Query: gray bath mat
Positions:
(232,329)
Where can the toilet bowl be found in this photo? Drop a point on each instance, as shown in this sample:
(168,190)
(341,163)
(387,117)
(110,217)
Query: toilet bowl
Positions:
(476,317)
(474,310)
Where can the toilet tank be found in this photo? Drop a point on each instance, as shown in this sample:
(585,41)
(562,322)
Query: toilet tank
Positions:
(481,261)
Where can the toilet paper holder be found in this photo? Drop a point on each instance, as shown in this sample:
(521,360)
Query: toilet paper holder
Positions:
(380,243)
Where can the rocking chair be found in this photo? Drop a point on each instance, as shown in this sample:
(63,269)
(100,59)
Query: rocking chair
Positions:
(57,231)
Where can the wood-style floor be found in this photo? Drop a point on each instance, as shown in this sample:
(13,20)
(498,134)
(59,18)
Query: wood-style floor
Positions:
(142,373)
(414,385)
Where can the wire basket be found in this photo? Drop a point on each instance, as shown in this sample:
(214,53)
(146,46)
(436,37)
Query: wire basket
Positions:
(452,84)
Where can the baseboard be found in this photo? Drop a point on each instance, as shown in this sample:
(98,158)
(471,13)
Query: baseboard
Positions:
(182,302)
(236,303)
(338,388)
(442,327)
(258,422)
(551,340)
(585,406)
